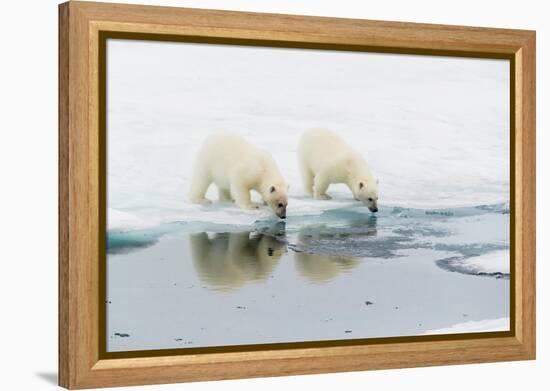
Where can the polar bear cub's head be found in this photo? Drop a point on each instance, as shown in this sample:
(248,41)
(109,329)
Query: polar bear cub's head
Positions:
(366,191)
(276,198)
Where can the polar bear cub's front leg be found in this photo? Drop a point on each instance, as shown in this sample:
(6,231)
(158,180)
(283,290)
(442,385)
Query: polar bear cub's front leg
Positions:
(241,194)
(224,194)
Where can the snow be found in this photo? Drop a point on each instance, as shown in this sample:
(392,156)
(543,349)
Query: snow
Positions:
(120,221)
(223,213)
(495,263)
(500,324)
(433,129)
(491,263)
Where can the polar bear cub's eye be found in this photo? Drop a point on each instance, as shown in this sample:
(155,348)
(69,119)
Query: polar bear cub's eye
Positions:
(280,205)
(370,199)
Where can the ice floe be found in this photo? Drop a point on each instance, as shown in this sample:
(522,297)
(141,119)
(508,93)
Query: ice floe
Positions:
(500,324)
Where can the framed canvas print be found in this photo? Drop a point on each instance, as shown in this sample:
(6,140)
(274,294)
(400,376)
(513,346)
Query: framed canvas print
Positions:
(248,195)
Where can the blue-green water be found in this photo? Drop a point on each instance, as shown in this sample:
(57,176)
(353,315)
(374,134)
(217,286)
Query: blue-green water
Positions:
(342,274)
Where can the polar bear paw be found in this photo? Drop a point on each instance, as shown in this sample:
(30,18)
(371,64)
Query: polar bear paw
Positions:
(323,197)
(249,206)
(201,201)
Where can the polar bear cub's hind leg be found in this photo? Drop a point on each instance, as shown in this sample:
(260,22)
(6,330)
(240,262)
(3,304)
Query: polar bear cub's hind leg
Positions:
(321,183)
(307,178)
(199,185)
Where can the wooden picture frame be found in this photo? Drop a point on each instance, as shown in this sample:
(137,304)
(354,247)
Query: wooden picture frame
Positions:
(83,28)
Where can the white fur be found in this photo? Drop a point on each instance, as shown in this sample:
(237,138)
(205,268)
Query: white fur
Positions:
(325,159)
(237,167)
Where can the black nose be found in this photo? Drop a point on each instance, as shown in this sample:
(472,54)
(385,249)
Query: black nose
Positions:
(374,210)
(283,217)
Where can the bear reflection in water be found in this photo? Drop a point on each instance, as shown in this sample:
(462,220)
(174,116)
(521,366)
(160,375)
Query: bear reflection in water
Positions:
(322,253)
(226,261)
(322,268)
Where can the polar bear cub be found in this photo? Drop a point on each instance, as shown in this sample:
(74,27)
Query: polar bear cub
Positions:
(237,167)
(324,159)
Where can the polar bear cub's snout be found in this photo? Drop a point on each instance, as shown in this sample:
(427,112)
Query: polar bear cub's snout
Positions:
(325,159)
(277,199)
(368,193)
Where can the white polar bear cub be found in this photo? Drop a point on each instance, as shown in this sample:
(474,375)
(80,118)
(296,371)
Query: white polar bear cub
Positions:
(324,159)
(237,167)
